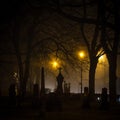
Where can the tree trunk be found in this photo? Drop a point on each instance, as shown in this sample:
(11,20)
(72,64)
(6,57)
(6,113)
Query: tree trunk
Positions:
(112,81)
(16,46)
(27,68)
(93,65)
(112,58)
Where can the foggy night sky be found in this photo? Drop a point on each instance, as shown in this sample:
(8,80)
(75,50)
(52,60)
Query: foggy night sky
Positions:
(9,10)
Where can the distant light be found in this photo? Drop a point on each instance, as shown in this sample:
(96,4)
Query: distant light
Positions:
(119,99)
(98,98)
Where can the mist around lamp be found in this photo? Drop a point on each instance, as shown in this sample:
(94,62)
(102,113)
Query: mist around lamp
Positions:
(54,64)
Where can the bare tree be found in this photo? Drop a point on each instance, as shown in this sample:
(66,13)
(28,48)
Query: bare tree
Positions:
(91,38)
(80,9)
(33,35)
(110,41)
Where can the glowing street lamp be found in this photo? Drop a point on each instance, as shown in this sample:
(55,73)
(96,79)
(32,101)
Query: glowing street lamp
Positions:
(54,64)
(82,56)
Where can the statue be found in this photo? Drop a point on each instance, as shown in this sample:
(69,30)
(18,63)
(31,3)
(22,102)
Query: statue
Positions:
(59,83)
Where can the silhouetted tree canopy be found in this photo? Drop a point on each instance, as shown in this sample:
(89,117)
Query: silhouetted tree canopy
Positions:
(35,29)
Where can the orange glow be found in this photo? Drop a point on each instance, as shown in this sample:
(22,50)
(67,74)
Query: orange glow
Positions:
(81,54)
(102,58)
(54,64)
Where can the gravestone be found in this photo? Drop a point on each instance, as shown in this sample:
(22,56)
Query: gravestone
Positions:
(35,102)
(66,88)
(104,99)
(86,100)
(12,95)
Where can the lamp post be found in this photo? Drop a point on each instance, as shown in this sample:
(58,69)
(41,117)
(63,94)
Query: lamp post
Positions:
(81,78)
(81,55)
(55,66)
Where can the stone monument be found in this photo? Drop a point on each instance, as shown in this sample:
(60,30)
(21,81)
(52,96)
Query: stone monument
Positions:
(60,78)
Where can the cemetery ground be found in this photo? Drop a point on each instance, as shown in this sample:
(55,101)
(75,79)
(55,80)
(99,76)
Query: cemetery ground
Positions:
(52,108)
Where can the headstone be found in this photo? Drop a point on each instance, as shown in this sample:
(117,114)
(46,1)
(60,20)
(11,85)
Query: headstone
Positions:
(86,100)
(66,88)
(12,92)
(36,102)
(104,99)
(12,95)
